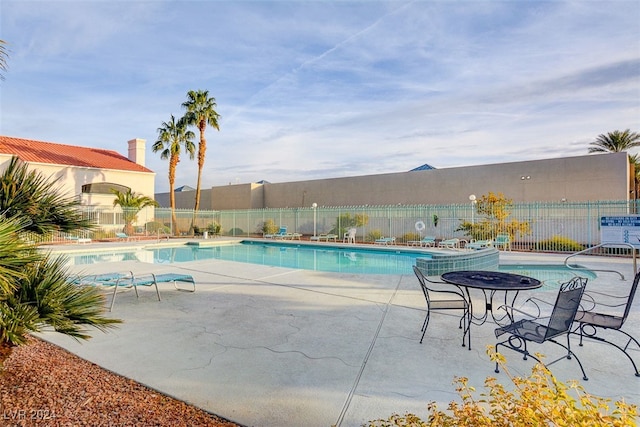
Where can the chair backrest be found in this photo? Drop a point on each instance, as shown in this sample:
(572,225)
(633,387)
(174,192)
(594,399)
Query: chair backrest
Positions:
(429,239)
(423,283)
(566,307)
(632,293)
(503,238)
(283,230)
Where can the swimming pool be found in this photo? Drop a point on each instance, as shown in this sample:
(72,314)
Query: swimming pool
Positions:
(319,258)
(313,257)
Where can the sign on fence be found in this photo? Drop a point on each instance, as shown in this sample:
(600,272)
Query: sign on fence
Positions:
(620,229)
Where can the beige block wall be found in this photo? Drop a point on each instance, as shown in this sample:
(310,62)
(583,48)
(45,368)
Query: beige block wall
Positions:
(580,178)
(594,177)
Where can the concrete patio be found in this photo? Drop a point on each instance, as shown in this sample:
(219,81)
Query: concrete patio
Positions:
(269,346)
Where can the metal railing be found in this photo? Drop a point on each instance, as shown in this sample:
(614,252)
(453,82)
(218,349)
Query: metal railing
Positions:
(555,227)
(593,249)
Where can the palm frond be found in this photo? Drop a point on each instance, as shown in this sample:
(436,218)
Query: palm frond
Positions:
(29,194)
(66,307)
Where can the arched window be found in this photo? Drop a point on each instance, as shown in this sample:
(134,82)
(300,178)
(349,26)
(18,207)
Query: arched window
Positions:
(103,188)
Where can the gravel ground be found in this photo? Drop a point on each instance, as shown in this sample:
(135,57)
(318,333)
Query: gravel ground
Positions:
(44,385)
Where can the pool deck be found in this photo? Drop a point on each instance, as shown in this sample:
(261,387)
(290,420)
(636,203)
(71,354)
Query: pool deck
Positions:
(271,346)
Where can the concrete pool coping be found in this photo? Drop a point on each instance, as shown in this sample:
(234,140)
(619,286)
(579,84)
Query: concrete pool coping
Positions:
(273,346)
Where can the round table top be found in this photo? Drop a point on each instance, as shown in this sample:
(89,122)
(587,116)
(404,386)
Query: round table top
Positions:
(492,280)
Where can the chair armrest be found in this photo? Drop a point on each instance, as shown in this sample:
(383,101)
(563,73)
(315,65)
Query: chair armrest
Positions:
(510,311)
(611,301)
(533,300)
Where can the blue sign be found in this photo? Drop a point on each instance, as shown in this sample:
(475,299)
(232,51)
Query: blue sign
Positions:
(620,229)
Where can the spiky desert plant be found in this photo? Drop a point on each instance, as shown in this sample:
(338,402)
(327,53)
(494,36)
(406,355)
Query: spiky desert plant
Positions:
(30,194)
(36,292)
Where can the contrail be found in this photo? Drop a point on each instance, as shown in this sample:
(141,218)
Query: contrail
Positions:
(253,98)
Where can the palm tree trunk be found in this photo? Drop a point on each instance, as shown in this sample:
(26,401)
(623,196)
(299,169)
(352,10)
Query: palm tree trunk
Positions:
(173,162)
(202,148)
(5,351)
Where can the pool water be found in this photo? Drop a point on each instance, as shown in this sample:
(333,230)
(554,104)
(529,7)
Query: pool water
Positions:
(319,258)
(551,276)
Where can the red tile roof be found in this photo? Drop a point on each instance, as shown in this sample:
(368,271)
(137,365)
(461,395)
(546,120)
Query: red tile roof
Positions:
(32,151)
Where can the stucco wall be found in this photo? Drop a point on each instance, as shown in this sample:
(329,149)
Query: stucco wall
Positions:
(581,178)
(71,179)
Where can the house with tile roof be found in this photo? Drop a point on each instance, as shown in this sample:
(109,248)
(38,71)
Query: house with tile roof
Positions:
(84,172)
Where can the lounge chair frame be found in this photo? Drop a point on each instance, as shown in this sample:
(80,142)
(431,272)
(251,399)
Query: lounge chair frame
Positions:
(325,237)
(386,241)
(125,237)
(479,244)
(427,241)
(449,243)
(129,280)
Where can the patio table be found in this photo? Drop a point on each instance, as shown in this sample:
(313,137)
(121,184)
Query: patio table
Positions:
(490,283)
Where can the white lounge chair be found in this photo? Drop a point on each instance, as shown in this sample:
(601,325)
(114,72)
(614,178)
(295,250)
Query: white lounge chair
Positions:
(78,240)
(426,241)
(292,236)
(279,235)
(479,244)
(386,241)
(326,237)
(450,243)
(125,237)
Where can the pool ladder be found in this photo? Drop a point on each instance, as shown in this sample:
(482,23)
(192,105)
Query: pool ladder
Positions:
(603,245)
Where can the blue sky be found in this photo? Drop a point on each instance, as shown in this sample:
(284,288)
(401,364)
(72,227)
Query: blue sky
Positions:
(320,89)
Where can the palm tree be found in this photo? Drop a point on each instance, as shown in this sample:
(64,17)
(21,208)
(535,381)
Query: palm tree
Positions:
(30,194)
(131,203)
(617,142)
(172,137)
(201,112)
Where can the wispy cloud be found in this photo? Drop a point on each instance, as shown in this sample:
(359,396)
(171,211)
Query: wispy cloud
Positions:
(310,90)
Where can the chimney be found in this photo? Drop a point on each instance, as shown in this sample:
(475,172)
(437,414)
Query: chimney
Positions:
(136,150)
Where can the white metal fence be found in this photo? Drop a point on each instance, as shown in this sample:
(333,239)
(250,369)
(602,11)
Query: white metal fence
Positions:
(553,225)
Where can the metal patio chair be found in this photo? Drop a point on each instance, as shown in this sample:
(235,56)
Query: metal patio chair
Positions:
(600,317)
(560,321)
(454,300)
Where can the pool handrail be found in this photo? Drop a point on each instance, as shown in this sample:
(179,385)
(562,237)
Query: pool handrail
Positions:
(602,245)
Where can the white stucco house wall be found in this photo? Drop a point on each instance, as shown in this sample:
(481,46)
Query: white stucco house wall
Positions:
(86,173)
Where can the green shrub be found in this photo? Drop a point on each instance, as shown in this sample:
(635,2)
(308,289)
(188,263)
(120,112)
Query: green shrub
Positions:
(152,227)
(560,244)
(268,227)
(374,235)
(537,400)
(345,221)
(100,233)
(236,232)
(214,228)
